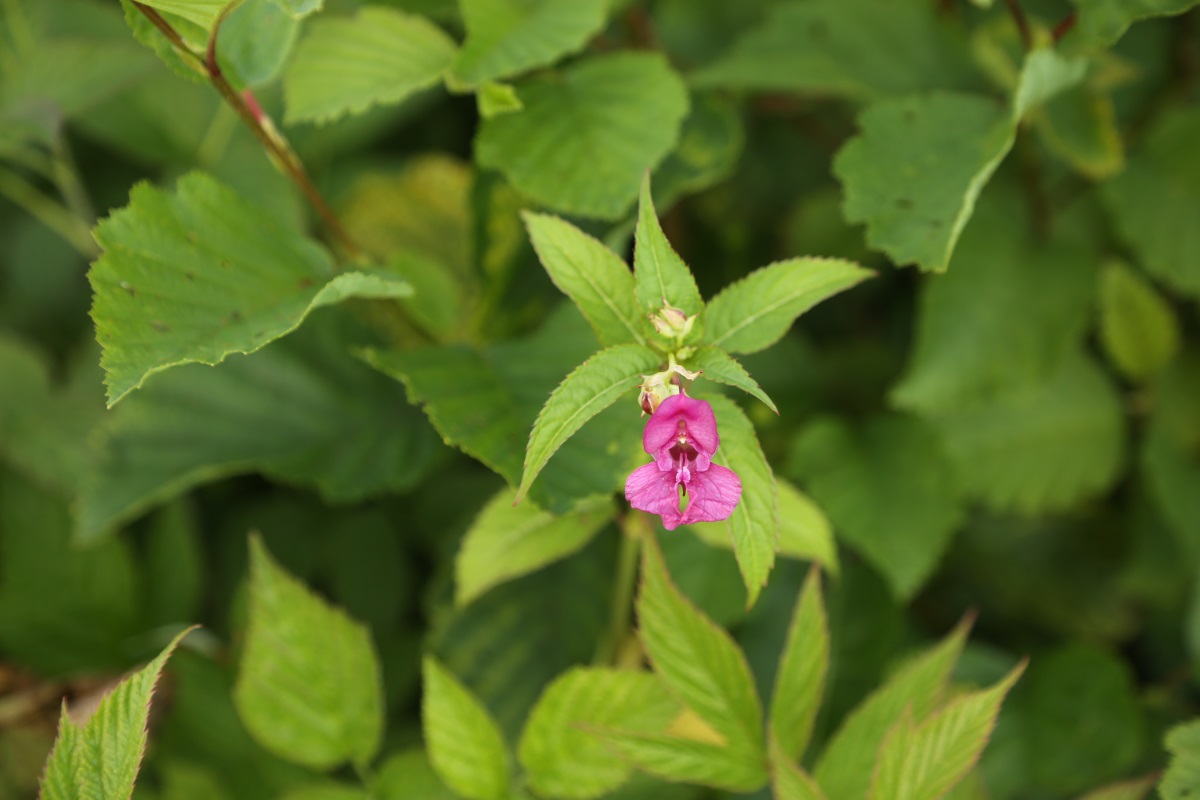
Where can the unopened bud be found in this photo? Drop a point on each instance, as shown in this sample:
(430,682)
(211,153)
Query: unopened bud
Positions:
(655,389)
(672,322)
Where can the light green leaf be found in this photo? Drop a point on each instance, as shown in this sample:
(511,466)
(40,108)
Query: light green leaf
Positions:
(201,12)
(1182,778)
(508,37)
(561,750)
(465,747)
(198,275)
(594,277)
(144,31)
(889,489)
(494,99)
(754,525)
(101,758)
(845,767)
(308,686)
(688,760)
(1101,23)
(755,312)
(299,9)
(1041,449)
(1155,202)
(506,541)
(800,680)
(788,780)
(699,662)
(719,366)
(408,775)
(594,386)
(1138,327)
(659,273)
(255,41)
(1044,75)
(925,760)
(345,66)
(587,135)
(327,791)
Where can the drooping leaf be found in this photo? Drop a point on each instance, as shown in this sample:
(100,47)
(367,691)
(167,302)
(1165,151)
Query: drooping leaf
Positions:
(800,680)
(506,541)
(719,366)
(676,758)
(508,37)
(345,66)
(755,312)
(659,273)
(465,747)
(308,687)
(789,781)
(1182,777)
(593,276)
(594,386)
(1138,327)
(101,758)
(586,136)
(561,750)
(197,275)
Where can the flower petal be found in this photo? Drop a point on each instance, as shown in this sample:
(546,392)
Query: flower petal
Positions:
(712,495)
(650,489)
(663,425)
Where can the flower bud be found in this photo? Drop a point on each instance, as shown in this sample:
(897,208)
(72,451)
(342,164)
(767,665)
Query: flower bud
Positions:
(672,322)
(655,389)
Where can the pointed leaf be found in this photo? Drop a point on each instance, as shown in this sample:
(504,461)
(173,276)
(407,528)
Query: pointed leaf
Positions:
(465,747)
(593,276)
(800,681)
(1138,327)
(586,136)
(660,273)
(594,386)
(507,541)
(719,366)
(200,274)
(698,661)
(675,758)
(788,780)
(345,66)
(758,310)
(562,751)
(308,687)
(101,758)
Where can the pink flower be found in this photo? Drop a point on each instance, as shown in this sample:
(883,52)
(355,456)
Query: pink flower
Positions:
(682,437)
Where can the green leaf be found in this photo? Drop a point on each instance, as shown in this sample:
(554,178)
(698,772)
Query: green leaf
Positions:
(587,135)
(198,275)
(719,366)
(800,680)
(754,525)
(1170,446)
(710,144)
(594,386)
(755,312)
(506,541)
(1080,127)
(699,662)
(1182,778)
(380,57)
(144,31)
(926,760)
(889,489)
(1101,23)
(1136,789)
(660,274)
(408,775)
(298,9)
(101,758)
(1155,202)
(789,781)
(494,99)
(256,39)
(561,751)
(857,49)
(680,759)
(201,12)
(845,768)
(508,37)
(327,791)
(308,687)
(465,747)
(1138,327)
(594,277)
(1041,449)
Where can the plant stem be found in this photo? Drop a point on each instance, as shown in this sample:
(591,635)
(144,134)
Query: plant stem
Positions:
(49,212)
(1018,15)
(1064,26)
(633,527)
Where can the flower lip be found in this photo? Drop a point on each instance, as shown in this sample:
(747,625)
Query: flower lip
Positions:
(681,416)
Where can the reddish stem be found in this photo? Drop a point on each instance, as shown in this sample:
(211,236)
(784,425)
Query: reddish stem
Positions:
(1064,27)
(1018,15)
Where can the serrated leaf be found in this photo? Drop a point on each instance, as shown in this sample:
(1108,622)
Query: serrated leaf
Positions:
(1041,449)
(1101,23)
(101,758)
(679,759)
(754,525)
(1138,327)
(587,135)
(800,680)
(719,366)
(1182,777)
(926,760)
(788,781)
(755,312)
(1155,202)
(594,386)
(201,12)
(561,749)
(594,277)
(889,489)
(195,276)
(506,541)
(380,57)
(508,37)
(698,661)
(308,687)
(150,36)
(845,767)
(465,747)
(659,273)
